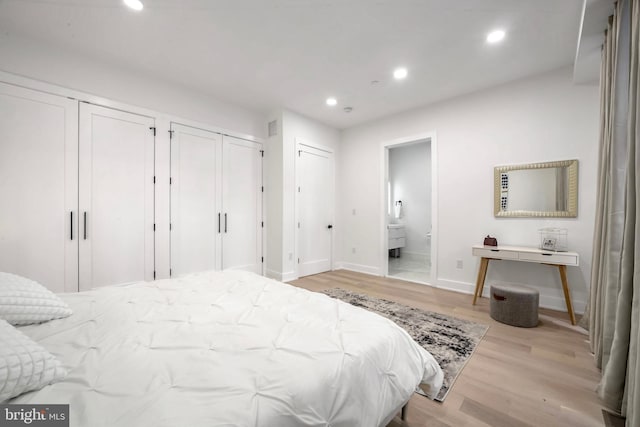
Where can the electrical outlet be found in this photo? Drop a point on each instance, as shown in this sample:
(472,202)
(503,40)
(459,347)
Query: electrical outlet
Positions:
(353,250)
(459,264)
(353,212)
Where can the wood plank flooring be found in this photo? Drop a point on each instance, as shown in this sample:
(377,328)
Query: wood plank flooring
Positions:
(543,376)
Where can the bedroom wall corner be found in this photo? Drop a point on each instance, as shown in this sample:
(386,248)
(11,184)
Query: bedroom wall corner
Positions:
(273,196)
(299,127)
(281,181)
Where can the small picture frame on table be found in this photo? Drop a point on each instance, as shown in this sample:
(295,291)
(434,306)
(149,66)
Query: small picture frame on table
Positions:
(549,244)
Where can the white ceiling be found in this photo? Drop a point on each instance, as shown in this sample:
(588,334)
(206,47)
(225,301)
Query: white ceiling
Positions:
(266,54)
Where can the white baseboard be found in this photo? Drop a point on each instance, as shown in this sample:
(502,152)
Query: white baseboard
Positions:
(558,303)
(288,276)
(452,285)
(546,301)
(552,302)
(281,277)
(367,269)
(271,274)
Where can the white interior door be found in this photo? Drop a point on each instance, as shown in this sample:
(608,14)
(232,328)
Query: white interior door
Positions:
(315,209)
(241,205)
(195,215)
(38,187)
(116,161)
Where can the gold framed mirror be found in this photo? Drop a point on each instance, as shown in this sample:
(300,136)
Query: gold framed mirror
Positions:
(548,189)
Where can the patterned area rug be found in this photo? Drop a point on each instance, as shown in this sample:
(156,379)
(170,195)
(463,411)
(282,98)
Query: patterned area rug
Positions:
(451,341)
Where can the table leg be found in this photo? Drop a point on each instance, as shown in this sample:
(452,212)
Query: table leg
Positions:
(567,294)
(482,273)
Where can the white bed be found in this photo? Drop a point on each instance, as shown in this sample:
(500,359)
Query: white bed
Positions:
(228,349)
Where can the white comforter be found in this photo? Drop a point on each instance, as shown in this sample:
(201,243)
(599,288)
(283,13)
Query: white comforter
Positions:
(228,349)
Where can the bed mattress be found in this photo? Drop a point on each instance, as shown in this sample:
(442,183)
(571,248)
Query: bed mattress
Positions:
(228,349)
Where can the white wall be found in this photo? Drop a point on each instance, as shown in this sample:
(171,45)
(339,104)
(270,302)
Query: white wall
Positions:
(410,177)
(281,244)
(273,199)
(90,75)
(67,69)
(65,73)
(538,119)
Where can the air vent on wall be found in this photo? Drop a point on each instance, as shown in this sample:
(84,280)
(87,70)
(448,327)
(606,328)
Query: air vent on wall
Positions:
(273,128)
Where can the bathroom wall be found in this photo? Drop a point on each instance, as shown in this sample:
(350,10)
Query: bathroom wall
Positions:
(410,178)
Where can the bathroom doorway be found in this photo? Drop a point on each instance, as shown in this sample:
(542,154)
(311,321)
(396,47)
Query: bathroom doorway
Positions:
(409,210)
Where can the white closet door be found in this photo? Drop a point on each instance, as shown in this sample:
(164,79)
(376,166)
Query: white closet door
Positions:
(315,209)
(241,205)
(38,187)
(116,197)
(195,213)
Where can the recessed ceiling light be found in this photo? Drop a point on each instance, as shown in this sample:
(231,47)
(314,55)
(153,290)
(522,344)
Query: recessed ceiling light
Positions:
(331,101)
(134,4)
(400,73)
(495,36)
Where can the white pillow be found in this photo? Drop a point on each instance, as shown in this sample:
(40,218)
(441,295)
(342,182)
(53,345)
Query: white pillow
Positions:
(24,364)
(23,301)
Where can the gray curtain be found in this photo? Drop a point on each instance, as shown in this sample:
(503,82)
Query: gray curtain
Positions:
(607,246)
(631,248)
(614,307)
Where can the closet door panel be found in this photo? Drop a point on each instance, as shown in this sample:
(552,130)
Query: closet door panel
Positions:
(116,197)
(242,205)
(38,187)
(195,202)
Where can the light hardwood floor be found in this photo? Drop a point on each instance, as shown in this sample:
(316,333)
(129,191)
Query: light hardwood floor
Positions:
(543,376)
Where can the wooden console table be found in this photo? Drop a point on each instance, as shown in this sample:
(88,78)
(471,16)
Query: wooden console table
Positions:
(526,254)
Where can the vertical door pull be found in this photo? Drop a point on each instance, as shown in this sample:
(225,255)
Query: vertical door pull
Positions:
(85,225)
(71,226)
(218,222)
(225,222)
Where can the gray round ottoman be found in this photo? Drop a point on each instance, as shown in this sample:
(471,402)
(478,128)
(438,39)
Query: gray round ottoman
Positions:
(514,305)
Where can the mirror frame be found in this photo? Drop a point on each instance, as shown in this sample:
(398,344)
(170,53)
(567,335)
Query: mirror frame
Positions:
(572,202)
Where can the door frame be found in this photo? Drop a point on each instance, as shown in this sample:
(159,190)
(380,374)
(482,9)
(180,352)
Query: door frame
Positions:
(303,142)
(384,167)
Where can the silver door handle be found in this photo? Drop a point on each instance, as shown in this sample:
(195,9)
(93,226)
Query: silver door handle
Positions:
(225,222)
(85,225)
(71,225)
